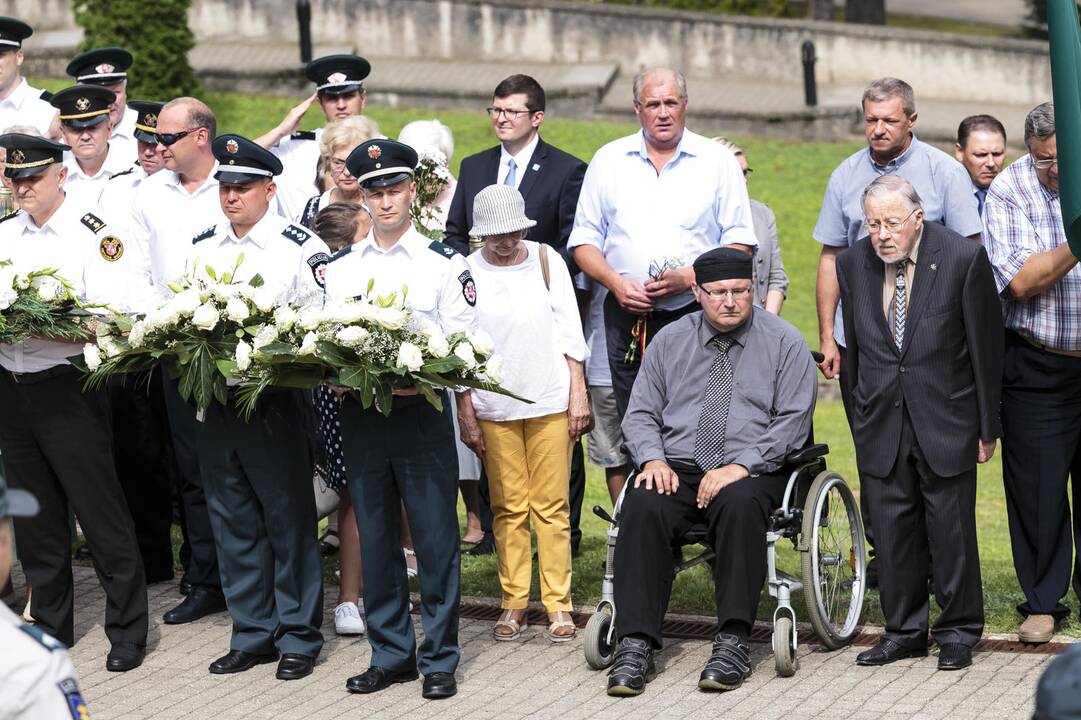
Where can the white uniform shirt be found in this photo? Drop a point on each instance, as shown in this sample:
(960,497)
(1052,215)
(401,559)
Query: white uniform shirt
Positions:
(122,139)
(441,287)
(85,189)
(118,195)
(636,216)
(291,259)
(38,677)
(299,154)
(24,106)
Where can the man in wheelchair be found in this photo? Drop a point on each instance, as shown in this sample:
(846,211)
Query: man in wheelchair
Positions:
(722,397)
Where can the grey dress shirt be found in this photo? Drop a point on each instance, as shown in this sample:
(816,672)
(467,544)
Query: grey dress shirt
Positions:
(772,403)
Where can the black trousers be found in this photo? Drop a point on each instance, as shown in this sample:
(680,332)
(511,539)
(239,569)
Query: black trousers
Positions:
(845,387)
(1041,449)
(922,517)
(145,466)
(618,325)
(651,524)
(55,442)
(201,557)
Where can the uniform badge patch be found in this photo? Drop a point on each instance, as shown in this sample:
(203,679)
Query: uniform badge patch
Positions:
(375,152)
(204,234)
(151,120)
(231,146)
(104,68)
(318,264)
(17,157)
(336,78)
(469,288)
(93,222)
(74,698)
(82,104)
(296,234)
(111,248)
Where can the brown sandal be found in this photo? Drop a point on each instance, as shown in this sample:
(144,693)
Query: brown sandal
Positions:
(509,626)
(562,627)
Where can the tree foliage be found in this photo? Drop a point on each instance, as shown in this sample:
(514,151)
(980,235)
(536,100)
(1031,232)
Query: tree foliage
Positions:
(156,34)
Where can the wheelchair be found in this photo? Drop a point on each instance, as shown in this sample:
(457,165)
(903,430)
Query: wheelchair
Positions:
(821,518)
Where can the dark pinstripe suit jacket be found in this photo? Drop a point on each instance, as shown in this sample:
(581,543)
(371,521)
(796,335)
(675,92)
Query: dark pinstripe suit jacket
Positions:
(948,372)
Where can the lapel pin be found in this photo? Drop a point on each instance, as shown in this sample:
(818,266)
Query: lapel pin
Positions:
(536,167)
(934,266)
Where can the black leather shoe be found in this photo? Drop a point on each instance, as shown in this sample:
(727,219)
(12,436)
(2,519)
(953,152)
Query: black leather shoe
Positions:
(199,603)
(375,679)
(888,651)
(728,666)
(954,656)
(122,658)
(484,547)
(632,667)
(185,586)
(294,666)
(238,661)
(438,685)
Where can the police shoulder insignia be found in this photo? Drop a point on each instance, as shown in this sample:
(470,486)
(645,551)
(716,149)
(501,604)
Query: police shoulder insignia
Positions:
(303,135)
(318,264)
(341,253)
(111,248)
(93,222)
(469,288)
(204,234)
(10,215)
(297,234)
(74,697)
(46,95)
(122,173)
(45,640)
(443,249)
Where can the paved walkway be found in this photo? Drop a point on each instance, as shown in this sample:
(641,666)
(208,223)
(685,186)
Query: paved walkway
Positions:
(528,679)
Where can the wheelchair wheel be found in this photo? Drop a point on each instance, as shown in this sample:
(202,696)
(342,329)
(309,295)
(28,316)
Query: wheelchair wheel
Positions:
(784,655)
(599,652)
(834,567)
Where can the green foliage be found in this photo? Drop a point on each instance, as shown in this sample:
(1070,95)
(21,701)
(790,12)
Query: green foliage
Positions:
(774,8)
(156,34)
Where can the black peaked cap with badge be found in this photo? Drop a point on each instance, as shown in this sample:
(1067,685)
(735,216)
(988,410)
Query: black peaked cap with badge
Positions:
(381,162)
(30,154)
(146,120)
(13,32)
(83,106)
(242,161)
(103,66)
(338,74)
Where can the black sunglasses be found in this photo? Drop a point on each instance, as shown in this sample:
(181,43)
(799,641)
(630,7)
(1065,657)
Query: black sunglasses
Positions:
(168,139)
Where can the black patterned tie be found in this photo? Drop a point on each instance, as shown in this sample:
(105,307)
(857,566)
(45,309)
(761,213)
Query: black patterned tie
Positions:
(900,306)
(709,442)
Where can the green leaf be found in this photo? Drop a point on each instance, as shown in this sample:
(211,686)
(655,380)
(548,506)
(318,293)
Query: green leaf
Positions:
(211,272)
(256,280)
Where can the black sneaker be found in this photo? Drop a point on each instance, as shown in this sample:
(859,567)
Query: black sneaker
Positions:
(728,666)
(632,668)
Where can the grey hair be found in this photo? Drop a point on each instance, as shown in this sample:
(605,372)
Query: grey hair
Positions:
(728,145)
(887,88)
(886,185)
(640,79)
(424,135)
(1040,123)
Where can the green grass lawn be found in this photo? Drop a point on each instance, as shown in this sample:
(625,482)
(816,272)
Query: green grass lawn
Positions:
(790,176)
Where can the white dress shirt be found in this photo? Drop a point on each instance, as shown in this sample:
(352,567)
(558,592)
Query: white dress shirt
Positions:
(300,158)
(521,162)
(636,216)
(86,189)
(24,106)
(122,139)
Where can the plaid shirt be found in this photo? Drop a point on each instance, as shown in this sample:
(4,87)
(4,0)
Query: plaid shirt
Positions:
(1022,217)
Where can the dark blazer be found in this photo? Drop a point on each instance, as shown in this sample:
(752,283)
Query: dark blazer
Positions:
(947,374)
(550,186)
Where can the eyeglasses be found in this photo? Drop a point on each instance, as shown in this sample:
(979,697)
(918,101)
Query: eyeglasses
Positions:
(747,172)
(892,224)
(168,139)
(1044,164)
(336,165)
(735,294)
(507,113)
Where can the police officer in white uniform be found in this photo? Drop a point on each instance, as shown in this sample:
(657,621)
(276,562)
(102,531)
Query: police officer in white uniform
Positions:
(108,67)
(37,679)
(20,104)
(118,195)
(257,474)
(55,438)
(409,456)
(85,126)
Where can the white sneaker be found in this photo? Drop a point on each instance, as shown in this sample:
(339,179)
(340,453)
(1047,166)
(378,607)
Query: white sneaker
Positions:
(347,620)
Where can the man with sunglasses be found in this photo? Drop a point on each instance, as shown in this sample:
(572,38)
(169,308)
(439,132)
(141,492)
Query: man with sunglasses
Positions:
(1039,284)
(339,90)
(108,67)
(85,125)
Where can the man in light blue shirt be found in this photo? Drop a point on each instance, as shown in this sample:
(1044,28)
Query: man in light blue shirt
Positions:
(651,203)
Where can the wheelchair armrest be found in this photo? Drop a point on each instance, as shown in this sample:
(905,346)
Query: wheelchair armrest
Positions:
(807,454)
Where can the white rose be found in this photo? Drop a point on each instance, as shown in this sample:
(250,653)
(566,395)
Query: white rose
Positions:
(307,346)
(22,282)
(205,317)
(391,318)
(264,336)
(7,297)
(352,336)
(224,292)
(264,298)
(91,356)
(185,303)
(48,288)
(493,369)
(285,317)
(465,352)
(410,357)
(482,342)
(137,334)
(310,318)
(237,310)
(109,345)
(243,356)
(428,328)
(438,345)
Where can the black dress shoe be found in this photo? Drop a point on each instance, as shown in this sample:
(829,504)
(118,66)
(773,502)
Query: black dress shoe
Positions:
(888,651)
(375,679)
(484,547)
(185,586)
(294,666)
(238,661)
(954,656)
(728,666)
(200,602)
(439,685)
(632,667)
(125,657)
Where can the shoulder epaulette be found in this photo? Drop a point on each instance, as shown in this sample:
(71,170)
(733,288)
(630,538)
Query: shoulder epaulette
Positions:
(204,234)
(93,222)
(42,638)
(129,171)
(443,249)
(10,215)
(296,233)
(303,135)
(46,95)
(341,253)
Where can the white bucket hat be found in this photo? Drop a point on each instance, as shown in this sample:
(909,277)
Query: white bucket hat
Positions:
(499,209)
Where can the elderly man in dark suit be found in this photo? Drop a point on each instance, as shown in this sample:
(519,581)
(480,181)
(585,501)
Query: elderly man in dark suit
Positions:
(925,345)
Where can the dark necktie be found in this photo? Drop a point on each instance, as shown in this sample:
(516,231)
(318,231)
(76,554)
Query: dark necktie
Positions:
(709,442)
(981,198)
(900,306)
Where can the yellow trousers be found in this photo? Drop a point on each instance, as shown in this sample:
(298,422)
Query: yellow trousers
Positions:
(528,465)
